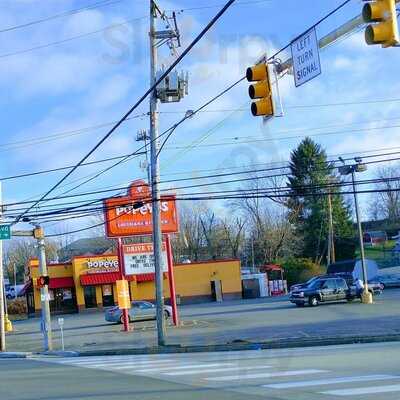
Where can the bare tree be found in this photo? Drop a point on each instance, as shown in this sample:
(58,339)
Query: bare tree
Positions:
(20,251)
(269,222)
(233,229)
(386,202)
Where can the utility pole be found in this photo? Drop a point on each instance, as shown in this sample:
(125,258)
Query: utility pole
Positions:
(331,243)
(366,296)
(44,291)
(2,305)
(155,178)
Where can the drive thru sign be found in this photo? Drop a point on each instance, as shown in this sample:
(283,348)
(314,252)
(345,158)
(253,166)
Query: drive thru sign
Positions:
(305,56)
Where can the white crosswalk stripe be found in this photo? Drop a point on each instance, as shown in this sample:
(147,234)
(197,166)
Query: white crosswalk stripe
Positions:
(186,366)
(137,363)
(266,375)
(329,381)
(363,390)
(212,370)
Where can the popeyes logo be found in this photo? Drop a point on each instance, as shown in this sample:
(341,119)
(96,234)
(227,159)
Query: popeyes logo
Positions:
(98,266)
(124,217)
(146,209)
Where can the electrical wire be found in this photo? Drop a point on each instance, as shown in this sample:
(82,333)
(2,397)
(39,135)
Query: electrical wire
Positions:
(141,99)
(69,39)
(61,15)
(330,165)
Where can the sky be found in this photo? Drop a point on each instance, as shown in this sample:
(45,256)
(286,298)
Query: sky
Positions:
(65,80)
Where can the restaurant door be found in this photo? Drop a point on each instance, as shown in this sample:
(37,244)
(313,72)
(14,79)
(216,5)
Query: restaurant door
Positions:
(108,296)
(63,300)
(90,296)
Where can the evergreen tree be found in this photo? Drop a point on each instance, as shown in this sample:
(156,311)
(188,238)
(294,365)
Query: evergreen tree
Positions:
(310,172)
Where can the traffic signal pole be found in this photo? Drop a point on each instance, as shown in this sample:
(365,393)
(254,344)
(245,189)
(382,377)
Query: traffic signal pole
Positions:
(44,292)
(155,178)
(330,38)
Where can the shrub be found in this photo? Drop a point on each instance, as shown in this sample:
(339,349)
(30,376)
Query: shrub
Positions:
(17,306)
(298,270)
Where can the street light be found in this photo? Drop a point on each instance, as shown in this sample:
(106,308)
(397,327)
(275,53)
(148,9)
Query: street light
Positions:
(366,296)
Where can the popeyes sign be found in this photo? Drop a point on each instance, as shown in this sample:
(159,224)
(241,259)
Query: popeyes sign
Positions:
(123,218)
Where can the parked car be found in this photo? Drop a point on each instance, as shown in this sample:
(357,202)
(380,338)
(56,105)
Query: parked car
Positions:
(326,288)
(139,311)
(373,285)
(389,280)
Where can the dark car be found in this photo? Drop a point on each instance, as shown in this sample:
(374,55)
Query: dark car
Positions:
(322,290)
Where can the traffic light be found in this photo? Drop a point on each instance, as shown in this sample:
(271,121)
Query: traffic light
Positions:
(384,28)
(261,91)
(43,280)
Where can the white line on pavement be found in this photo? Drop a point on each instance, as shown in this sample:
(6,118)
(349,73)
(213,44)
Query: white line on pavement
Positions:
(266,375)
(208,370)
(318,382)
(123,362)
(187,366)
(363,390)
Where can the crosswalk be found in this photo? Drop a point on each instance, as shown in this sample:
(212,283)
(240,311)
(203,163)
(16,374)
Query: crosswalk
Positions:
(243,371)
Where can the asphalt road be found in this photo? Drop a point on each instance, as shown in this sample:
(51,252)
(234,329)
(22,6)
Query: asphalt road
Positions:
(218,323)
(338,372)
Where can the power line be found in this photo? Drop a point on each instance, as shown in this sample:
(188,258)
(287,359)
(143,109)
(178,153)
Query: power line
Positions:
(361,130)
(178,59)
(209,198)
(179,10)
(286,46)
(66,40)
(17,144)
(297,106)
(61,15)
(141,99)
(257,177)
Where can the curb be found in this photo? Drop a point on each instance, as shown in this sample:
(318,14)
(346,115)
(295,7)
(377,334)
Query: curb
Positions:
(239,346)
(14,354)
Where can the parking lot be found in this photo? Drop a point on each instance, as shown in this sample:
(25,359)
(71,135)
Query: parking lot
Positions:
(219,323)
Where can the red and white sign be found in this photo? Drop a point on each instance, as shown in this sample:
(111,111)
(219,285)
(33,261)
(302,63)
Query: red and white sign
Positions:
(123,219)
(139,258)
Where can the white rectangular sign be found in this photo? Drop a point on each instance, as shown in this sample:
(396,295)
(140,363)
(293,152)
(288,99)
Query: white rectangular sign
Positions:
(139,258)
(305,56)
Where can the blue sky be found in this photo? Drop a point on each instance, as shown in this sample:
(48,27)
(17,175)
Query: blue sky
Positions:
(93,80)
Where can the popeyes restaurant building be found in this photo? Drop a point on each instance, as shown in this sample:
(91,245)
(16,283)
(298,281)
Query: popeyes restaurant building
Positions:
(88,283)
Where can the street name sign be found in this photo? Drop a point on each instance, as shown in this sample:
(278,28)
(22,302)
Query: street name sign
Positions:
(305,56)
(5,232)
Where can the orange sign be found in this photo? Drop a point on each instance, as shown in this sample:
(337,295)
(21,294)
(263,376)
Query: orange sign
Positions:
(124,218)
(124,301)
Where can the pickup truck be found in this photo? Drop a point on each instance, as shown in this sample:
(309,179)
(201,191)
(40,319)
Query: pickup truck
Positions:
(323,289)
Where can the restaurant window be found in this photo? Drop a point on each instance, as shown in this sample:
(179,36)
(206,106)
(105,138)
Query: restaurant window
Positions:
(90,296)
(108,296)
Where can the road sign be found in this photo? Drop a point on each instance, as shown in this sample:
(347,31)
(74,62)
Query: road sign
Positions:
(131,215)
(139,258)
(5,232)
(305,56)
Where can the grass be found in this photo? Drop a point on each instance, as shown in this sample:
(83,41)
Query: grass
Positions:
(382,254)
